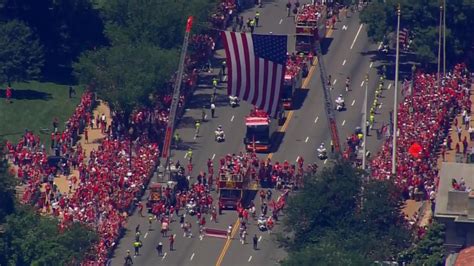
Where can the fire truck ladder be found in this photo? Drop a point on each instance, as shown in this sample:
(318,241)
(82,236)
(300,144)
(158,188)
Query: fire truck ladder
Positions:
(176,94)
(328,101)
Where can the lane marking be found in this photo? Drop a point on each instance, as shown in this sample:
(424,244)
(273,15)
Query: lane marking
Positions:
(316,120)
(195,136)
(343,122)
(307,138)
(344,27)
(205,117)
(281,20)
(260,239)
(164,256)
(146,234)
(357,35)
(325,161)
(344,62)
(185,155)
(389,86)
(213,156)
(334,82)
(232,119)
(380,106)
(362,84)
(297,158)
(192,256)
(380,45)
(283,128)
(250,258)
(353,102)
(371,64)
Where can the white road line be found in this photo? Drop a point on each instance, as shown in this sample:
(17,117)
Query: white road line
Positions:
(344,27)
(250,258)
(232,119)
(213,156)
(316,120)
(306,140)
(334,82)
(281,20)
(344,62)
(205,117)
(192,256)
(380,106)
(389,86)
(371,64)
(146,234)
(185,155)
(195,136)
(343,122)
(380,45)
(260,238)
(164,256)
(297,158)
(353,42)
(353,102)
(325,161)
(362,83)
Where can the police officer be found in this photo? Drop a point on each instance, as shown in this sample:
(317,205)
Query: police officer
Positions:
(214,82)
(136,246)
(252,25)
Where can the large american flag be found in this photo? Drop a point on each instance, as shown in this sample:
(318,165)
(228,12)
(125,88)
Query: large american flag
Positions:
(256,68)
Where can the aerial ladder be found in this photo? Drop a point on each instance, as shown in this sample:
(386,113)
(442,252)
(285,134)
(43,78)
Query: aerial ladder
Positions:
(176,93)
(328,106)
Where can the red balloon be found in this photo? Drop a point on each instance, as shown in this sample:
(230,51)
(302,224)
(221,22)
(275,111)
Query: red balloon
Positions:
(415,150)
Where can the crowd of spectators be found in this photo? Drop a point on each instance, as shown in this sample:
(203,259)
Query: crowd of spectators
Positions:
(424,117)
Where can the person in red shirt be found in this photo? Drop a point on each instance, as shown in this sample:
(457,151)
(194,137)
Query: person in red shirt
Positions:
(8,94)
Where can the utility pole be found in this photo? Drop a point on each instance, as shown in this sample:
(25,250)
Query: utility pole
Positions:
(365,123)
(439,43)
(176,92)
(395,99)
(444,38)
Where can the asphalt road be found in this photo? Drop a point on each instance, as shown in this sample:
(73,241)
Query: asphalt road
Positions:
(348,54)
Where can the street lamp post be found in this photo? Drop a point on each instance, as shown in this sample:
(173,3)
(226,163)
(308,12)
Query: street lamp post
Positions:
(130,132)
(364,128)
(395,99)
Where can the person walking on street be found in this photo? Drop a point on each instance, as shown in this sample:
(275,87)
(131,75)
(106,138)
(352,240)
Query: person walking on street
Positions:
(288,8)
(255,242)
(136,246)
(203,114)
(223,65)
(171,238)
(128,259)
(257,18)
(213,110)
(159,249)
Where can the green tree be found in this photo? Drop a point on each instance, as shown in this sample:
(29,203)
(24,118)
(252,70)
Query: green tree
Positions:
(21,55)
(422,19)
(7,186)
(31,239)
(429,250)
(125,75)
(159,23)
(65,28)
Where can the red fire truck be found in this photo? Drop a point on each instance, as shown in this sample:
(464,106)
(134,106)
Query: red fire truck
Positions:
(310,23)
(260,130)
(233,185)
(293,80)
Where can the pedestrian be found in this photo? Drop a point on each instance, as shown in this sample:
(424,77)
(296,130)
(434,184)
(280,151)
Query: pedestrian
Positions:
(223,65)
(171,239)
(252,25)
(257,18)
(288,8)
(8,93)
(137,236)
(229,231)
(213,110)
(241,23)
(140,209)
(128,259)
(136,246)
(255,242)
(467,121)
(137,229)
(71,92)
(159,249)
(459,131)
(86,135)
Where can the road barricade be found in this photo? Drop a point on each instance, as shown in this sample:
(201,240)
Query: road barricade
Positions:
(215,233)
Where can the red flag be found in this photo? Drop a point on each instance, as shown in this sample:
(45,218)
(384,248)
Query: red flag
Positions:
(415,150)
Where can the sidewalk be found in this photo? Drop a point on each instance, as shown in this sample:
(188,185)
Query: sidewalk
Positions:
(95,137)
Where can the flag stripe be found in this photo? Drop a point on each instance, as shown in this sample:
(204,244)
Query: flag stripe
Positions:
(246,43)
(253,70)
(274,82)
(228,64)
(266,94)
(278,87)
(261,81)
(240,59)
(238,71)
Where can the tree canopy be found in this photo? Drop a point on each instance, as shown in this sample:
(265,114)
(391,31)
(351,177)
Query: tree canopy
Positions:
(21,54)
(422,19)
(429,250)
(7,186)
(125,75)
(333,219)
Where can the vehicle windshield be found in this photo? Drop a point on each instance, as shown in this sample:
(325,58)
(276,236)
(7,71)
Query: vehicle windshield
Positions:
(287,92)
(230,193)
(258,133)
(303,39)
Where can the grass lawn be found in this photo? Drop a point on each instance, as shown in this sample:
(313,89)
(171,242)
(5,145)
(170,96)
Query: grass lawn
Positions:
(34,106)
